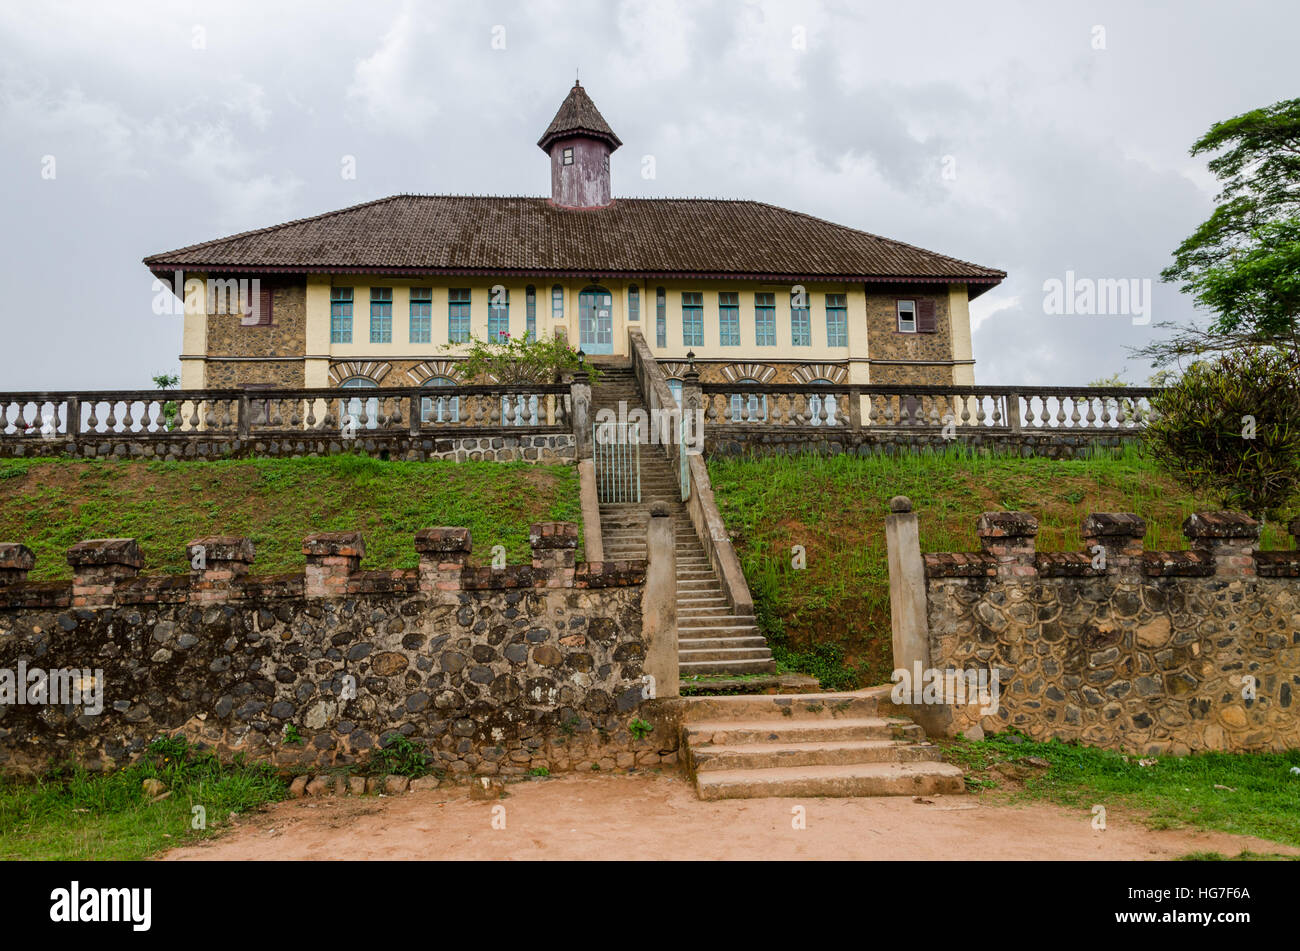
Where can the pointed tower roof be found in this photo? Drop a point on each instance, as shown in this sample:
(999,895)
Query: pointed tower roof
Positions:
(578,115)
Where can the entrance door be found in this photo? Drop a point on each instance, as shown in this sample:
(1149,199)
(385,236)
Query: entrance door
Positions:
(596,320)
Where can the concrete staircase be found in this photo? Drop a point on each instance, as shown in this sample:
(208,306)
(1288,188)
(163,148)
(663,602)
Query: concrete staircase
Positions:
(800,745)
(711,640)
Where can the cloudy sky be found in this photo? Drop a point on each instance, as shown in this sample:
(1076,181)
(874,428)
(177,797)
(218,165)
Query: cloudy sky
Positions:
(1039,138)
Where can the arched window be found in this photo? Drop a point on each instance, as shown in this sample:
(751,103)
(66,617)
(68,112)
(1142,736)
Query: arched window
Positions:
(365,412)
(815,403)
(676,387)
(748,407)
(440,409)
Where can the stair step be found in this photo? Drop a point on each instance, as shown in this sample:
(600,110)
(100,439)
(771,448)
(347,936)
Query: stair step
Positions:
(826,753)
(724,654)
(712,643)
(756,666)
(854,779)
(791,706)
(732,732)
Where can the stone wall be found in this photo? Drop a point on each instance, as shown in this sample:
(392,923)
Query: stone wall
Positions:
(1145,651)
(285,336)
(526,446)
(494,671)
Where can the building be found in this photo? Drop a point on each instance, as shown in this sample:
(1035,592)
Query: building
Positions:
(381,294)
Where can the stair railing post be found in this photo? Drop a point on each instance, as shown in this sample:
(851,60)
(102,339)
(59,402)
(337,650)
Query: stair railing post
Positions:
(580,393)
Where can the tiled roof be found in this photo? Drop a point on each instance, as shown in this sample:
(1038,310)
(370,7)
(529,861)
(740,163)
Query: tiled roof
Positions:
(578,114)
(631,237)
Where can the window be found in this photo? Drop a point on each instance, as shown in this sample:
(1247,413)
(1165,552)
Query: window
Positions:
(365,413)
(748,407)
(381,315)
(837,321)
(692,319)
(815,404)
(421,315)
(800,321)
(633,303)
(530,312)
(661,317)
(729,320)
(458,315)
(907,316)
(440,409)
(257,313)
(676,387)
(340,315)
(567,157)
(765,320)
(498,314)
(557,303)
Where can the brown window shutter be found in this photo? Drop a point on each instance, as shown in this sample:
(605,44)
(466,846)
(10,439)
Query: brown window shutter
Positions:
(926,322)
(264,307)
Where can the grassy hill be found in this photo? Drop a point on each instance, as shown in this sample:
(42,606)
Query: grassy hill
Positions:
(831,619)
(50,504)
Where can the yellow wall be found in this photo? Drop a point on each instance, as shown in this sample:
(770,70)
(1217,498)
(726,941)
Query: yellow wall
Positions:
(318,318)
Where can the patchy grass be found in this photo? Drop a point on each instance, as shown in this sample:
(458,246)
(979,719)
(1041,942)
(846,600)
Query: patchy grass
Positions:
(831,619)
(69,814)
(50,504)
(1243,793)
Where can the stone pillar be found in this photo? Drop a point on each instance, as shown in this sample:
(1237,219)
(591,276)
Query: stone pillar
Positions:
(216,561)
(444,552)
(15,561)
(331,558)
(593,541)
(692,392)
(580,395)
(555,547)
(1230,538)
(98,564)
(907,589)
(1010,537)
(1120,536)
(659,603)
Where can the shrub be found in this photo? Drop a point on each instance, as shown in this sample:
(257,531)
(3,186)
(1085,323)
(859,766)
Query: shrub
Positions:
(1230,427)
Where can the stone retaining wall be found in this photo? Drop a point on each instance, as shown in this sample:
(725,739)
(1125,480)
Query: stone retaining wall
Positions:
(494,671)
(1144,651)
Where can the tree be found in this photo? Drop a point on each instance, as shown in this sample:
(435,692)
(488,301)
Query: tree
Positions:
(521,360)
(1230,427)
(1243,263)
(165,381)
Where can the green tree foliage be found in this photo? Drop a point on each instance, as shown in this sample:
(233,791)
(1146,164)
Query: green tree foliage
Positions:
(522,360)
(1243,263)
(1230,427)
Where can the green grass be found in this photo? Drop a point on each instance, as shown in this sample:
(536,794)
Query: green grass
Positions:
(70,814)
(50,504)
(1261,798)
(831,619)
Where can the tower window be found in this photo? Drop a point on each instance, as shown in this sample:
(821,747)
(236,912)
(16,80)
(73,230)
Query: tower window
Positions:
(567,157)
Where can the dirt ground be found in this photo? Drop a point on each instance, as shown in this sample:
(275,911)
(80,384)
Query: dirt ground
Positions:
(648,816)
